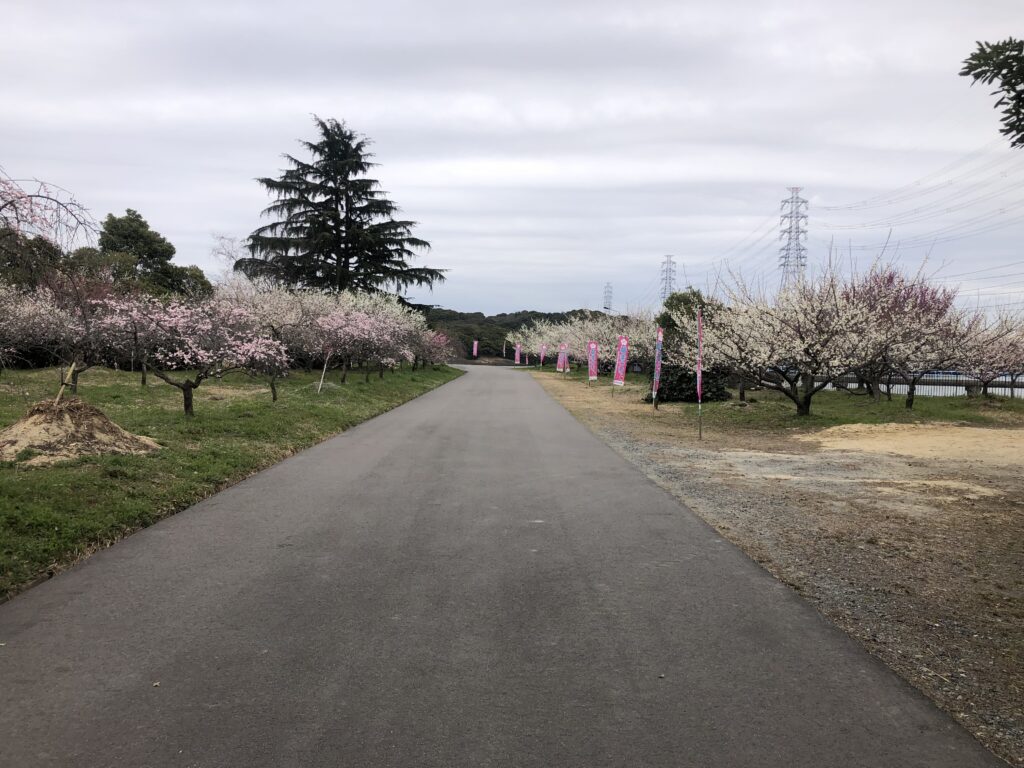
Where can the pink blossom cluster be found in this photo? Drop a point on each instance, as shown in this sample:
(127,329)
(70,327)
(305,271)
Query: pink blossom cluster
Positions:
(338,328)
(210,337)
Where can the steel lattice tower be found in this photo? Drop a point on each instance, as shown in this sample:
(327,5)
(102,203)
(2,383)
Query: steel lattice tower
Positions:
(668,277)
(607,297)
(793,254)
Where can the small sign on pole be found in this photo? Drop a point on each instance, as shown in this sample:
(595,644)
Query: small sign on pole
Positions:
(657,366)
(591,361)
(519,351)
(621,358)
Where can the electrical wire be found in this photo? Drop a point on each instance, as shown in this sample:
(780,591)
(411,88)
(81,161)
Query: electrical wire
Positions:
(915,188)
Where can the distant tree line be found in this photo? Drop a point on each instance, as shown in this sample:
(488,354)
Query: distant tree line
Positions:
(462,328)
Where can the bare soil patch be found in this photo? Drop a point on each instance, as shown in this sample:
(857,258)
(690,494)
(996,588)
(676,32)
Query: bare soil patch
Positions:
(945,442)
(72,428)
(909,537)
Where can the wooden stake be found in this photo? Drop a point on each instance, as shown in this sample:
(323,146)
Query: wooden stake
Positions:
(64,383)
(321,384)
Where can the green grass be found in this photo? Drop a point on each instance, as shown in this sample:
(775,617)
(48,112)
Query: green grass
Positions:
(50,516)
(828,409)
(768,410)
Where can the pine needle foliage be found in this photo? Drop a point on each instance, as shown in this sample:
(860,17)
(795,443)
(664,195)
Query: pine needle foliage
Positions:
(331,226)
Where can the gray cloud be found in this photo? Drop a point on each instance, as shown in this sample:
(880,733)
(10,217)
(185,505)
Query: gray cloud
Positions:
(545,148)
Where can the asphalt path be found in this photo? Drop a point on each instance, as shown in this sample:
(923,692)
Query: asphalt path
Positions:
(472,579)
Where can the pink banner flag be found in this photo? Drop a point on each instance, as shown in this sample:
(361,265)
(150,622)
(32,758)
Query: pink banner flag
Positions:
(592,360)
(657,363)
(563,358)
(621,357)
(700,356)
(519,350)
(476,348)
(543,354)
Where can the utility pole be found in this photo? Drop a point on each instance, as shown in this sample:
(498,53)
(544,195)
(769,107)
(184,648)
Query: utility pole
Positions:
(793,254)
(607,297)
(668,277)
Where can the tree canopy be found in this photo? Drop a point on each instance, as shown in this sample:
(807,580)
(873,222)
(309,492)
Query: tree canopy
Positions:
(142,254)
(1002,62)
(686,302)
(331,226)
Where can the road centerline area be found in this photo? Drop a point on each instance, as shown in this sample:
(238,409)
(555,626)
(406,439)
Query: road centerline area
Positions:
(472,579)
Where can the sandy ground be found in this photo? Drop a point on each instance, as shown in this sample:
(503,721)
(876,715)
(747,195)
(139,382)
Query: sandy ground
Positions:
(911,538)
(52,432)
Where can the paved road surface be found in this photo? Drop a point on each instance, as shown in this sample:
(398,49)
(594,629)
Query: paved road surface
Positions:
(470,580)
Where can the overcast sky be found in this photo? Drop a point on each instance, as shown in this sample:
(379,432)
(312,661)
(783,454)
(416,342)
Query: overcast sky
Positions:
(545,148)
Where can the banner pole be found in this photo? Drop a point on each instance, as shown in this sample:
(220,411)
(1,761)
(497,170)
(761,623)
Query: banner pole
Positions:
(700,374)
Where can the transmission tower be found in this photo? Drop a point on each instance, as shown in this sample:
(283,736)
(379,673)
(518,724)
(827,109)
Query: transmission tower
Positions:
(607,297)
(793,254)
(668,277)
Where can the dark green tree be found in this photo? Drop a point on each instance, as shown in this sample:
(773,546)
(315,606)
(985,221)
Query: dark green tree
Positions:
(1002,62)
(129,240)
(331,226)
(678,377)
(686,303)
(25,260)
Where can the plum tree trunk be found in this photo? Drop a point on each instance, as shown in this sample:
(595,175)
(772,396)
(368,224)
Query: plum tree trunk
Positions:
(186,393)
(273,388)
(803,406)
(911,389)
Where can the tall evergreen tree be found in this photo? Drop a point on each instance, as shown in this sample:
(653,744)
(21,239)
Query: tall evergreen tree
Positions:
(332,227)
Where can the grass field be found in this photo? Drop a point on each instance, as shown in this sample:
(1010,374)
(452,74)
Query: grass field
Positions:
(768,410)
(51,516)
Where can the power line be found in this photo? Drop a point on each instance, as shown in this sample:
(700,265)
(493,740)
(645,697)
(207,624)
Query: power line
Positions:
(986,269)
(944,235)
(925,212)
(914,188)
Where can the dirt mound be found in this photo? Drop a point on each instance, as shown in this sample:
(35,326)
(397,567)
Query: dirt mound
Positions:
(67,430)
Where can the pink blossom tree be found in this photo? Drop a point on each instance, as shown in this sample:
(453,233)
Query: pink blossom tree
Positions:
(991,349)
(33,208)
(912,327)
(433,347)
(189,343)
